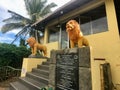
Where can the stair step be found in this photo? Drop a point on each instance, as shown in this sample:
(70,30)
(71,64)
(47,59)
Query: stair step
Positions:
(43,72)
(46,63)
(33,84)
(44,67)
(18,86)
(7,88)
(37,78)
(41,75)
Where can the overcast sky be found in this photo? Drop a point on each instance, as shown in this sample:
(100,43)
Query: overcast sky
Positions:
(18,7)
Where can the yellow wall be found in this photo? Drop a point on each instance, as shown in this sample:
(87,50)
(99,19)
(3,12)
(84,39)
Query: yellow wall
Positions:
(46,36)
(106,45)
(51,46)
(29,63)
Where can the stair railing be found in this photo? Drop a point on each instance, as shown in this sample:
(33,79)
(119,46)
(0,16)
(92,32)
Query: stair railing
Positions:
(7,72)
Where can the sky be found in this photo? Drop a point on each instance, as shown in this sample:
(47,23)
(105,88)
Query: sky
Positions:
(18,7)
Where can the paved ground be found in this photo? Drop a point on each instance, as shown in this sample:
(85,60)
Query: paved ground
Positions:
(5,84)
(2,88)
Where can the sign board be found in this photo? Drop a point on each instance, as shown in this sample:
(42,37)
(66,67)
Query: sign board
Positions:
(67,71)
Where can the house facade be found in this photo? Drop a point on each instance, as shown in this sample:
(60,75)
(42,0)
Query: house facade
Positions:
(99,23)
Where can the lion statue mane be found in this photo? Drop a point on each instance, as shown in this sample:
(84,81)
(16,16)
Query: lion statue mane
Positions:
(36,46)
(75,35)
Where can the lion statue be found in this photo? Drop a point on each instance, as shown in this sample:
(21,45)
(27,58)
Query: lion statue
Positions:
(75,35)
(36,46)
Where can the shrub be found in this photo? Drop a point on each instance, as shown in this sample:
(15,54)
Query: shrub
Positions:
(12,55)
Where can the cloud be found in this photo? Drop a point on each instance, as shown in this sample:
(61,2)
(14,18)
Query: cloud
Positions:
(4,12)
(17,6)
(4,39)
(3,15)
(58,2)
(9,37)
(15,31)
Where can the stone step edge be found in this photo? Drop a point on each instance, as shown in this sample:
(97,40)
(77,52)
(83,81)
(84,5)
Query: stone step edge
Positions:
(39,77)
(29,83)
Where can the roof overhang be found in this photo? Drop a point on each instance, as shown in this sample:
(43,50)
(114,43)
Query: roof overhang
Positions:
(68,7)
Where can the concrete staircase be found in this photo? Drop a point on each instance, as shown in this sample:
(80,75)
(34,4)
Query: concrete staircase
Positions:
(35,80)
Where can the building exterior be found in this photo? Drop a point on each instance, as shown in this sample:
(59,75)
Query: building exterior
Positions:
(100,25)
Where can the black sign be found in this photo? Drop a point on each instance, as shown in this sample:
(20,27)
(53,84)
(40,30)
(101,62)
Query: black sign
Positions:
(67,72)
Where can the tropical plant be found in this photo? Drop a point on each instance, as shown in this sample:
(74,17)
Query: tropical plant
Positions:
(11,55)
(37,9)
(22,42)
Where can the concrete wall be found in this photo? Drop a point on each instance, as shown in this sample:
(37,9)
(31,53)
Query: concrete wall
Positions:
(51,46)
(29,63)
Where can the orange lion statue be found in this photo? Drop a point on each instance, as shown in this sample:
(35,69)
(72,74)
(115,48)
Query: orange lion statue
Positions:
(36,46)
(75,35)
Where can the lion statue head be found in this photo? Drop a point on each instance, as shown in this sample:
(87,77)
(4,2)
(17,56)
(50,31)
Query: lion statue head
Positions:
(73,26)
(31,41)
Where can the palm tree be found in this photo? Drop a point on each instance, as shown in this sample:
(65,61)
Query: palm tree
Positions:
(37,9)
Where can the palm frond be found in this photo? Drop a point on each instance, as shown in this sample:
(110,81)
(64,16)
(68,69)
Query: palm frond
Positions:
(47,9)
(34,6)
(24,30)
(16,18)
(10,26)
(15,14)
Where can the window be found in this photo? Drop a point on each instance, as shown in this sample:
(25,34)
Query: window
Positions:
(94,21)
(53,34)
(64,36)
